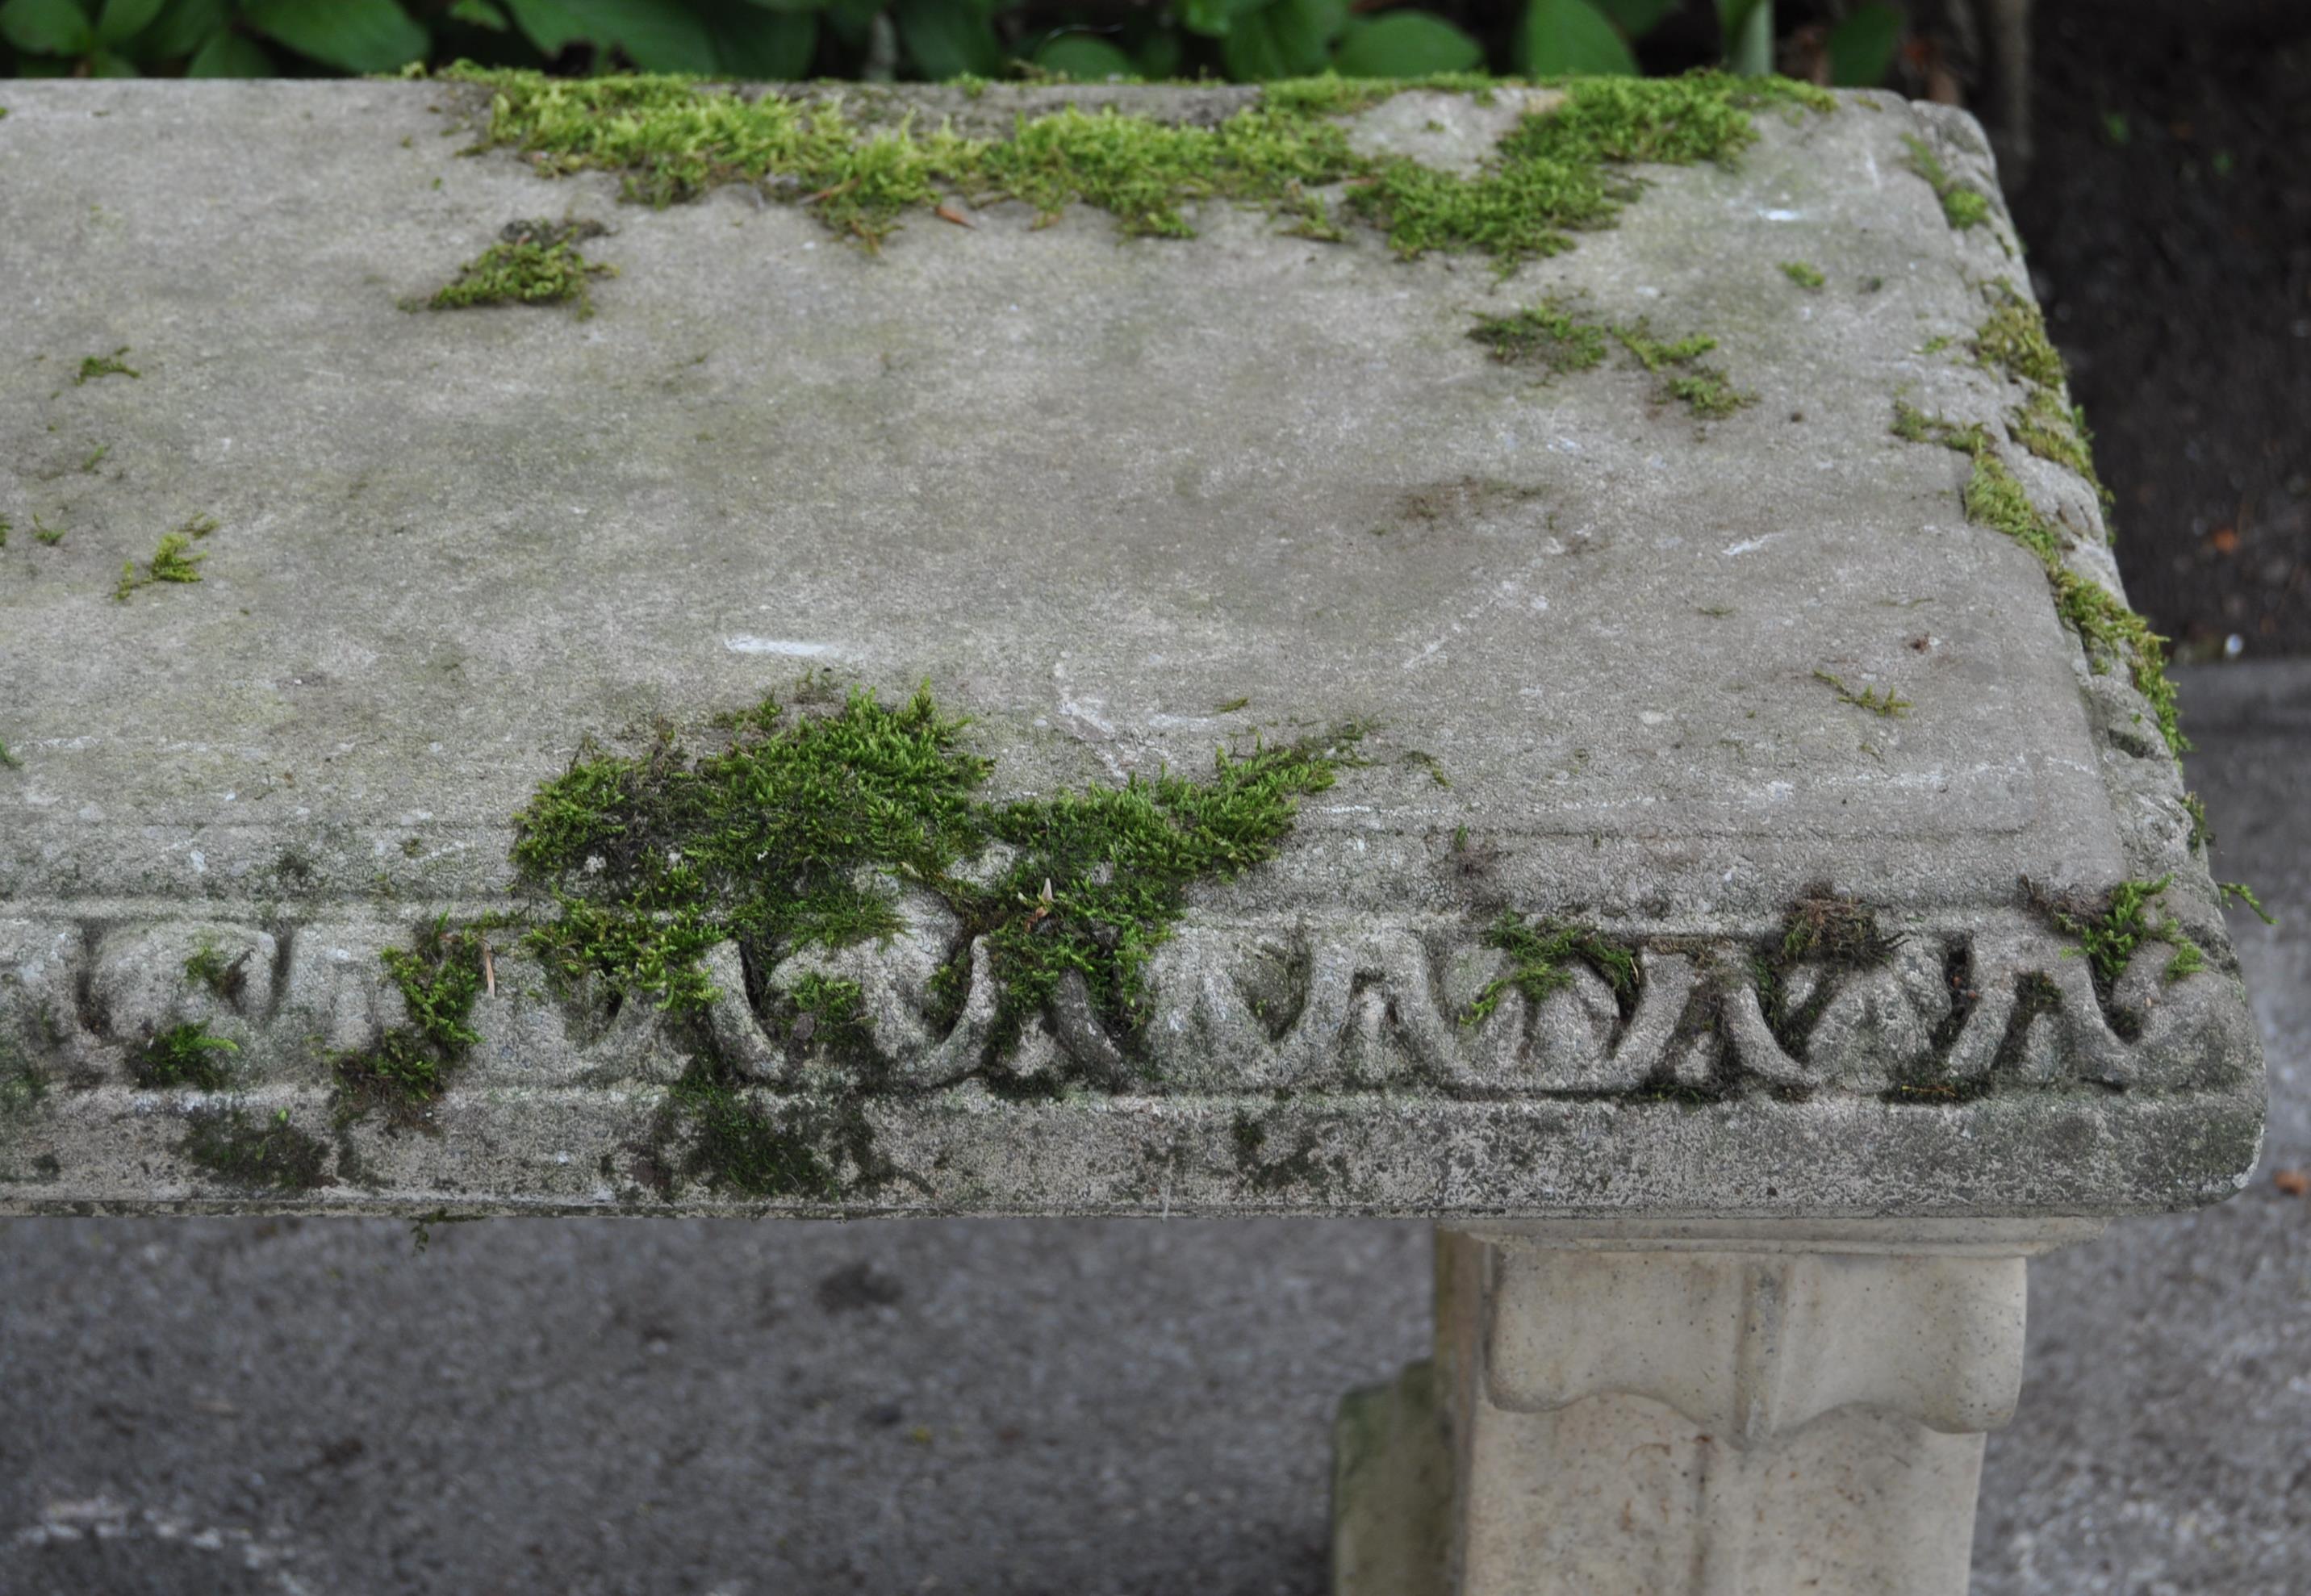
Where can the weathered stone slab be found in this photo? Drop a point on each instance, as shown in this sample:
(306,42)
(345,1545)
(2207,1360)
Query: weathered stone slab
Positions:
(1751,698)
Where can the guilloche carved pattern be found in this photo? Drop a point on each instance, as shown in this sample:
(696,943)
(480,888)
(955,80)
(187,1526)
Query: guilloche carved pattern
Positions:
(1975,1004)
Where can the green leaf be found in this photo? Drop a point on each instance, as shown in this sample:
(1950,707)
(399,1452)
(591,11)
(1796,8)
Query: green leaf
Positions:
(1283,39)
(47,27)
(751,41)
(1861,47)
(657,35)
(182,27)
(1747,27)
(479,14)
(352,35)
(124,19)
(1562,37)
(1404,44)
(1084,58)
(947,40)
(104,63)
(229,54)
(1637,18)
(1213,18)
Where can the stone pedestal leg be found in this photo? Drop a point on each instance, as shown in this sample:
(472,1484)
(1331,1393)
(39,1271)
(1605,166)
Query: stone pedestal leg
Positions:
(1727,1409)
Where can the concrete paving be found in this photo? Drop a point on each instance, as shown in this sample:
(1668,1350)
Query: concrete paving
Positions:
(1063,1406)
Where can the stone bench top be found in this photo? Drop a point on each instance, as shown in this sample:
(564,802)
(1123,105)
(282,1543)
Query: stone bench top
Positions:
(1418,665)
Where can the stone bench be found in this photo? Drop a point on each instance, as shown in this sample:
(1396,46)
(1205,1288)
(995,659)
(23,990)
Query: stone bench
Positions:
(1544,660)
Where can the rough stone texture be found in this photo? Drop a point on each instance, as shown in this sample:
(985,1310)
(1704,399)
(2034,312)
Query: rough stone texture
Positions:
(572,1408)
(1172,476)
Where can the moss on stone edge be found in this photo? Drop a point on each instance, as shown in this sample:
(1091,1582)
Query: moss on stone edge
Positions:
(439,979)
(1963,204)
(2111,633)
(533,263)
(2113,929)
(1558,172)
(2012,339)
(1550,334)
(1542,954)
(266,1154)
(798,831)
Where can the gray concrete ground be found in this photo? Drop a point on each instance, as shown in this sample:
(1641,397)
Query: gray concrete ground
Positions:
(249,1406)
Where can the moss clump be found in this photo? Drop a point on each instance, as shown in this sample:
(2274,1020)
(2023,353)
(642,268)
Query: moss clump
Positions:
(1886,705)
(2112,931)
(21,1085)
(1545,335)
(1803,275)
(745,1141)
(1550,334)
(1819,927)
(94,366)
(225,978)
(8,762)
(170,563)
(2013,339)
(533,263)
(268,1154)
(788,838)
(1542,954)
(2110,634)
(185,1055)
(440,980)
(2053,432)
(43,534)
(1705,390)
(1560,171)
(1963,204)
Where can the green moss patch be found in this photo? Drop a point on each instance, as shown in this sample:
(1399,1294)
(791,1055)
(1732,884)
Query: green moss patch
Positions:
(1803,275)
(533,263)
(2111,633)
(1888,705)
(792,835)
(1542,956)
(94,366)
(1548,334)
(2113,929)
(2013,339)
(172,560)
(439,979)
(1560,171)
(1545,335)
(1963,204)
(185,1055)
(266,1154)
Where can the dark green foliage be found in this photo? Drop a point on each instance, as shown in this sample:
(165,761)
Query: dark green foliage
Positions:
(184,1055)
(268,1154)
(965,40)
(440,980)
(1541,956)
